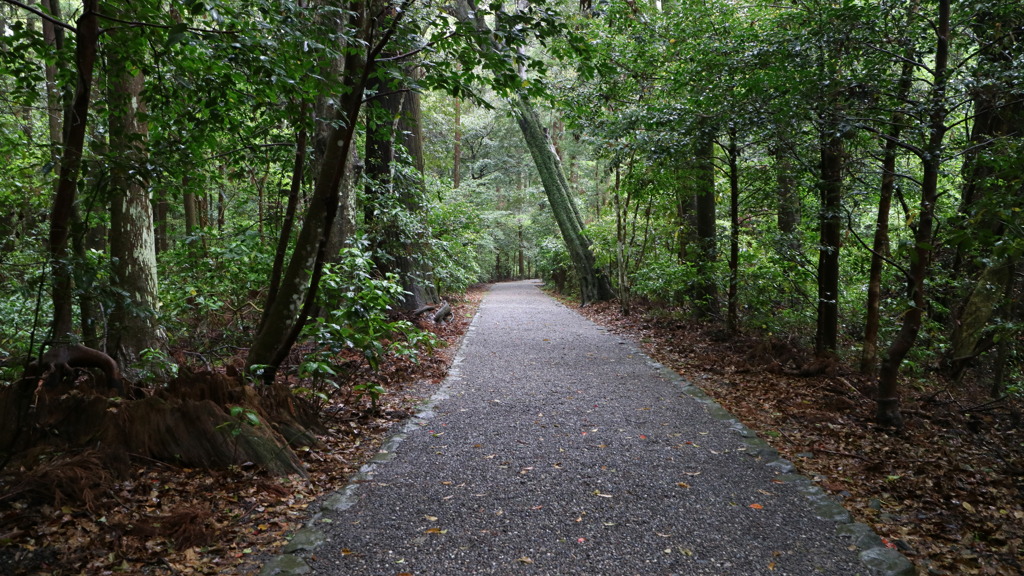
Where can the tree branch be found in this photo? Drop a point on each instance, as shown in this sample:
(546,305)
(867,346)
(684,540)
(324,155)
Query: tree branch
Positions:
(42,15)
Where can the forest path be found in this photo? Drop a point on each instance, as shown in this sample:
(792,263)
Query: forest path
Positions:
(555,447)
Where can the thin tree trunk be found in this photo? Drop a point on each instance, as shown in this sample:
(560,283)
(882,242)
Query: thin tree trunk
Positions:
(880,243)
(54,37)
(732,317)
(457,147)
(888,412)
(831,193)
(75,122)
(285,238)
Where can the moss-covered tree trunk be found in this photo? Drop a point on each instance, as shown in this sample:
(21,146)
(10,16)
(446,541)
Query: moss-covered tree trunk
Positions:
(594,284)
(993,193)
(134,324)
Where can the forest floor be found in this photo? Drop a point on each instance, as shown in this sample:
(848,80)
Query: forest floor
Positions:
(165,520)
(946,490)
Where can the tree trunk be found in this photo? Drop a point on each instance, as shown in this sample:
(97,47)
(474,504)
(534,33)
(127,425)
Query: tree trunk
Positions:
(392,118)
(732,317)
(621,206)
(880,243)
(285,237)
(831,194)
(75,121)
(992,187)
(888,413)
(594,284)
(788,198)
(132,241)
(706,294)
(54,37)
(457,147)
(296,298)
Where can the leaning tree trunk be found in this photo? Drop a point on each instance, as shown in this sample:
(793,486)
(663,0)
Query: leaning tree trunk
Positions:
(888,409)
(75,121)
(594,283)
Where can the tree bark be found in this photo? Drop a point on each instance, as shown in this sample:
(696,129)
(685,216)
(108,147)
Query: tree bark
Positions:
(830,221)
(887,413)
(134,323)
(75,122)
(880,243)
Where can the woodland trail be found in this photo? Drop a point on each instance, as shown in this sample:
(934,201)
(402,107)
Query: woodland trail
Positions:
(555,447)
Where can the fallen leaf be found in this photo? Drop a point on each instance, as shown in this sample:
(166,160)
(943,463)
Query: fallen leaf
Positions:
(682,484)
(435,530)
(524,560)
(431,518)
(756,506)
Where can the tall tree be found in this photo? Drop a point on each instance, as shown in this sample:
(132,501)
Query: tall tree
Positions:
(296,298)
(134,322)
(74,129)
(594,283)
(394,191)
(931,156)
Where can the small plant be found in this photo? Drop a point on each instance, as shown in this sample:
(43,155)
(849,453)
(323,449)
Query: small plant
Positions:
(371,390)
(240,416)
(355,334)
(155,365)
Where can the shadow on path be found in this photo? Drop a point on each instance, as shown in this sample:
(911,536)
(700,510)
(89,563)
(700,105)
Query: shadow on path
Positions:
(555,447)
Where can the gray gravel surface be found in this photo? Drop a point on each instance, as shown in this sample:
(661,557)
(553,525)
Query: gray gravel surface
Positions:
(558,448)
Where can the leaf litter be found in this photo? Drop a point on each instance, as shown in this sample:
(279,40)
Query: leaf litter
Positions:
(946,491)
(70,515)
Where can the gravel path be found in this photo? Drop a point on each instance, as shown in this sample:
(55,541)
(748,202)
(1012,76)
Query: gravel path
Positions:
(555,447)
